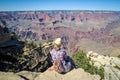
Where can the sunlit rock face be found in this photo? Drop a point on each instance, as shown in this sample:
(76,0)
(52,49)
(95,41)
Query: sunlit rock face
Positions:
(109,64)
(48,75)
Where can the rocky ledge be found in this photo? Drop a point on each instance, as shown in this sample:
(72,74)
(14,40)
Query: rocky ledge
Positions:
(75,74)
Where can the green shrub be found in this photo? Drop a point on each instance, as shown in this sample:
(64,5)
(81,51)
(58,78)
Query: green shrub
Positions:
(30,45)
(117,67)
(25,41)
(12,33)
(118,56)
(100,72)
(83,62)
(49,40)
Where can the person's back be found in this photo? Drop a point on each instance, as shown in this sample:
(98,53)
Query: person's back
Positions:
(60,59)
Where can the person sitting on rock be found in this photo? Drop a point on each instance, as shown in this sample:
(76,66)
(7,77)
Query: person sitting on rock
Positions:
(61,62)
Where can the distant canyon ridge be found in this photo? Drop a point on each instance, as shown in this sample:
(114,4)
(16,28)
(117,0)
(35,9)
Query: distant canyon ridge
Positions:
(98,31)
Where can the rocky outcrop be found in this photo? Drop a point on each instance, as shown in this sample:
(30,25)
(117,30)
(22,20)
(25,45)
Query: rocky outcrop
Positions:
(76,74)
(9,55)
(111,65)
(14,58)
(37,59)
(10,49)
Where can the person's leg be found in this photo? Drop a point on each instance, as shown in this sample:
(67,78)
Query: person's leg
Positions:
(73,65)
(51,68)
(68,67)
(55,66)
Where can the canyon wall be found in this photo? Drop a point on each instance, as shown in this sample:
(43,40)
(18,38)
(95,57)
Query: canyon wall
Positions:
(80,30)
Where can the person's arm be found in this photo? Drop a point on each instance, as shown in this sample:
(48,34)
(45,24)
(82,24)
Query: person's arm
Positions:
(64,55)
(52,56)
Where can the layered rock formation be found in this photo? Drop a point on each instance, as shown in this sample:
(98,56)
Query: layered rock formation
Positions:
(100,28)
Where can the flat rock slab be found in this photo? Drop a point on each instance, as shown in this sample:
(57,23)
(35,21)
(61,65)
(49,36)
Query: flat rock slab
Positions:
(9,76)
(76,74)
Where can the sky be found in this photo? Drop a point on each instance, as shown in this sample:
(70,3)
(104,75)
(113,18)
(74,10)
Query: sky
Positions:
(26,5)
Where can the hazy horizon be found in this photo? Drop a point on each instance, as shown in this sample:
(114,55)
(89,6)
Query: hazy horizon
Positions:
(42,5)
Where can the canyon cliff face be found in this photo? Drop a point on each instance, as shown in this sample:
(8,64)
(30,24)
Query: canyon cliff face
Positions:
(79,30)
(4,35)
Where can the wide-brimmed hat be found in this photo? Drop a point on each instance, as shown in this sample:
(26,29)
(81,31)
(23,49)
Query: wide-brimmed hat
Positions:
(58,41)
